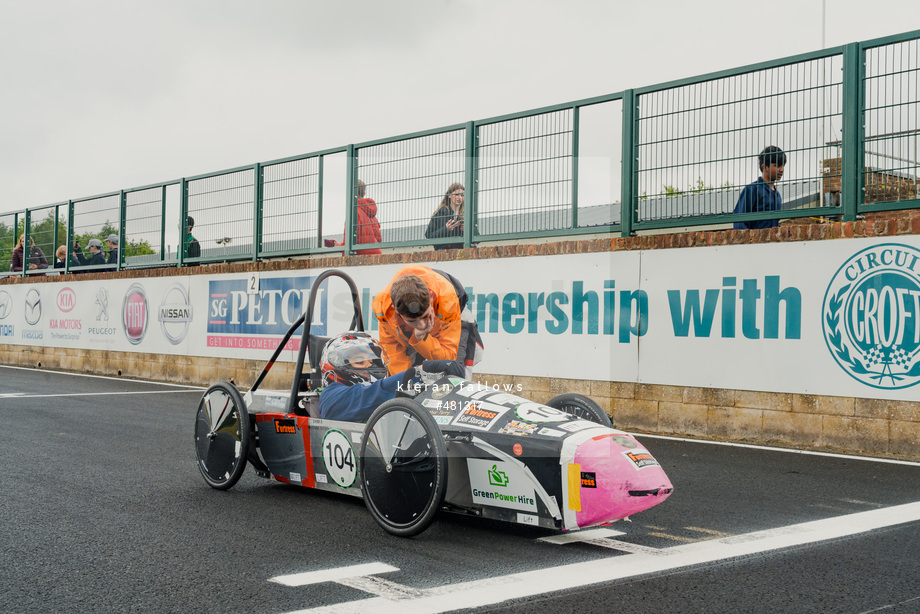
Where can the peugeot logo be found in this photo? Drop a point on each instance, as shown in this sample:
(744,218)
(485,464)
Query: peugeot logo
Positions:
(33,307)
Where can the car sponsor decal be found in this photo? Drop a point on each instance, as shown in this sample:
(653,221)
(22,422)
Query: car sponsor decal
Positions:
(480,416)
(578,425)
(286,426)
(641,459)
(518,449)
(550,432)
(527,519)
(501,484)
(339,458)
(276,402)
(588,479)
(295,477)
(321,478)
(516,427)
(534,412)
(573,482)
(443,419)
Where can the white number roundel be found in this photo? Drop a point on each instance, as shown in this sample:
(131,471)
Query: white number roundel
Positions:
(339,458)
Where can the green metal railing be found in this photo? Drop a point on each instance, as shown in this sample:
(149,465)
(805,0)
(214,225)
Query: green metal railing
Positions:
(664,156)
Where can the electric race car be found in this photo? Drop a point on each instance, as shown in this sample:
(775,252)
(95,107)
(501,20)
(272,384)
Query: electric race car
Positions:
(444,443)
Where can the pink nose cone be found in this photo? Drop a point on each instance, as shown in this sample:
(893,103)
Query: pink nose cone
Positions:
(619,478)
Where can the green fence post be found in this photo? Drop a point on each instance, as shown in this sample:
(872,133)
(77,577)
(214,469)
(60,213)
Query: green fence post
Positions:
(26,248)
(256,211)
(183,220)
(352,202)
(470,174)
(70,237)
(122,227)
(575,109)
(851,196)
(163,225)
(628,164)
(319,206)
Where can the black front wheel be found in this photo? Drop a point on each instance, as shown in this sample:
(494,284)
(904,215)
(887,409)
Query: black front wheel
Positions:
(580,406)
(403,467)
(222,435)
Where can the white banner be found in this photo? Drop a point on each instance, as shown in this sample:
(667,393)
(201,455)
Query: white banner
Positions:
(825,317)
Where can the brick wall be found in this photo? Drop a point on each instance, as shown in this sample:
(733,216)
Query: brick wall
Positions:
(843,424)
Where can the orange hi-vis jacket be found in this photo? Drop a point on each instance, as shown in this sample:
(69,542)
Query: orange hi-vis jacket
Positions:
(398,340)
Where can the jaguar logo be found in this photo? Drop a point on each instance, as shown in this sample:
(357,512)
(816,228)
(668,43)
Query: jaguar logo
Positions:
(871,316)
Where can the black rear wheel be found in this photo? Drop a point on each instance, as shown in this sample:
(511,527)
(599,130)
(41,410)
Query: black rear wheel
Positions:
(222,435)
(403,467)
(580,406)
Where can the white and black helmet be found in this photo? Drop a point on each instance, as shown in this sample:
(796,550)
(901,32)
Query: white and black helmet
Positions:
(341,352)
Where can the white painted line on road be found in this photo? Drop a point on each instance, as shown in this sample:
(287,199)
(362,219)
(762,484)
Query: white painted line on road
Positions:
(333,575)
(475,594)
(581,536)
(25,395)
(117,379)
(775,449)
(381,588)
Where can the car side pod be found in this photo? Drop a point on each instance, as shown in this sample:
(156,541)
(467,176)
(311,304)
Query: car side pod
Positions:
(610,476)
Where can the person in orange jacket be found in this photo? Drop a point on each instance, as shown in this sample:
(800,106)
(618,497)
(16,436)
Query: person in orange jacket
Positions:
(419,317)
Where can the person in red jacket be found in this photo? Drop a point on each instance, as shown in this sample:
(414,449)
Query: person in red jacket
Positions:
(35,260)
(366,225)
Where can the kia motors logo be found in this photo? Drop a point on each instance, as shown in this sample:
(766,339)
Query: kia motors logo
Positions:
(175,314)
(134,314)
(871,316)
(33,307)
(66,299)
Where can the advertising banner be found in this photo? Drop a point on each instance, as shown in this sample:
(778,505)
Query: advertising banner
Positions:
(825,317)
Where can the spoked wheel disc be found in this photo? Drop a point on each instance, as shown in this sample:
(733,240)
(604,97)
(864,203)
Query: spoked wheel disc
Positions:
(222,435)
(580,406)
(403,468)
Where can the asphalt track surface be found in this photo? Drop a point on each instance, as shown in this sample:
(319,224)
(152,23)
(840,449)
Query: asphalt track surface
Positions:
(102,509)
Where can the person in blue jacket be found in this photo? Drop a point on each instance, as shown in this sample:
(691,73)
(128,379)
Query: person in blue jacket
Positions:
(355,380)
(762,195)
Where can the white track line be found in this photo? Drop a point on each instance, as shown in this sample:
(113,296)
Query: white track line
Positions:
(476,594)
(117,379)
(774,449)
(332,575)
(26,395)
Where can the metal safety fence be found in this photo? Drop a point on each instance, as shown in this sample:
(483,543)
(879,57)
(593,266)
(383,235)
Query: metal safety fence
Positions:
(675,155)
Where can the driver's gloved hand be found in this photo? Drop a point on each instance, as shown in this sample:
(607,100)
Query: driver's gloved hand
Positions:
(448,367)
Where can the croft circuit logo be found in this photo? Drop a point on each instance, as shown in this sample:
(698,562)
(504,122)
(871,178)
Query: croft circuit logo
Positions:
(871,316)
(33,307)
(134,314)
(6,304)
(175,314)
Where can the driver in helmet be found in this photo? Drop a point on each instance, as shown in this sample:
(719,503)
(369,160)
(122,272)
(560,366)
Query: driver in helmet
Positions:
(355,380)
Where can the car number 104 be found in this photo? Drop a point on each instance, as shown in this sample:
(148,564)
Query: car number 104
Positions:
(339,458)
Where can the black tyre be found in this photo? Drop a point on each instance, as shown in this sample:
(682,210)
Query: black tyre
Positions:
(403,467)
(580,406)
(222,435)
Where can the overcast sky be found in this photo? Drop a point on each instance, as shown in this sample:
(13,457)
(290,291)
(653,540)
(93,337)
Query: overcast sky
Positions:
(102,95)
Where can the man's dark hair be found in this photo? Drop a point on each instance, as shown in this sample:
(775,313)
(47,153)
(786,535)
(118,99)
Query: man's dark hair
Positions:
(410,296)
(772,155)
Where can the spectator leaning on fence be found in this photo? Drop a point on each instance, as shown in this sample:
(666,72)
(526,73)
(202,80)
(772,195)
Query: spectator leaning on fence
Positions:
(447,220)
(36,259)
(112,243)
(762,195)
(94,246)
